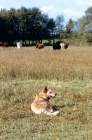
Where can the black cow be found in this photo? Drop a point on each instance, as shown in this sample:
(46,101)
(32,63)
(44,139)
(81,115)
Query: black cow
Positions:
(58,45)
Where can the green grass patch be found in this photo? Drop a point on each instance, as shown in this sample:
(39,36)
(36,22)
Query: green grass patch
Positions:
(17,121)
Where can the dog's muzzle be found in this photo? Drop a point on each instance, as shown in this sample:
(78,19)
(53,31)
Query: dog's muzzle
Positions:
(53,96)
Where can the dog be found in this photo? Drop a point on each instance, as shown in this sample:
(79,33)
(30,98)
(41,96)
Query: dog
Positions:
(41,103)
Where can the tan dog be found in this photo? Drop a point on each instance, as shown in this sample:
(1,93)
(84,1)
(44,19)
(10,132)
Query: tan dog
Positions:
(41,103)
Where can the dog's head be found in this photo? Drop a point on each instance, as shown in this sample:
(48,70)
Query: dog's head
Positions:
(48,92)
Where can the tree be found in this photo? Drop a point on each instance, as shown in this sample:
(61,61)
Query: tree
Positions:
(41,25)
(25,24)
(3,25)
(59,24)
(85,26)
(86,21)
(3,31)
(12,22)
(69,28)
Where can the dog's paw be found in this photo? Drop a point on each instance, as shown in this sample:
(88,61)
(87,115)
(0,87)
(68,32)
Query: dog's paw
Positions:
(56,113)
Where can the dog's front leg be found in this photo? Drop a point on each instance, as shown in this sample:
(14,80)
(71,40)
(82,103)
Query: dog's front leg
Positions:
(56,113)
(48,112)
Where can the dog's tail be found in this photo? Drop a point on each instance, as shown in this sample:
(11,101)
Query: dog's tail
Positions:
(56,113)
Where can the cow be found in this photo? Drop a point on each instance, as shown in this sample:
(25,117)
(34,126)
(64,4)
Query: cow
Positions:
(6,44)
(58,45)
(39,46)
(65,45)
(19,45)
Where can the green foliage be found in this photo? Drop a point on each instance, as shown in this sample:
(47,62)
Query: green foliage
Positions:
(25,24)
(84,24)
(87,37)
(69,28)
(59,25)
(32,25)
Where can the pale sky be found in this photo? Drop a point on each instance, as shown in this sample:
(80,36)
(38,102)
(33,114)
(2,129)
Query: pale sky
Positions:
(74,9)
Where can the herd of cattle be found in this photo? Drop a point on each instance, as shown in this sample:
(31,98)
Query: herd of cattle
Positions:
(56,45)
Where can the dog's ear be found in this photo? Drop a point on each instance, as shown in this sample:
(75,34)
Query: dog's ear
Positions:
(45,89)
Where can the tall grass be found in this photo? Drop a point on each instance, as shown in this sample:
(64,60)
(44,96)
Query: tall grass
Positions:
(24,73)
(28,63)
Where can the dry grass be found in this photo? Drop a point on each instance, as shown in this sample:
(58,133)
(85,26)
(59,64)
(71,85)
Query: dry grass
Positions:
(23,74)
(29,63)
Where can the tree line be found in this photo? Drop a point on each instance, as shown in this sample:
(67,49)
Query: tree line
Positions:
(31,24)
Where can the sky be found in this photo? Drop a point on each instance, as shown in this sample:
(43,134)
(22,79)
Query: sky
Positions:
(73,9)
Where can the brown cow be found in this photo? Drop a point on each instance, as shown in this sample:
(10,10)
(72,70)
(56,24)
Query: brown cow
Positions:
(6,44)
(66,45)
(39,46)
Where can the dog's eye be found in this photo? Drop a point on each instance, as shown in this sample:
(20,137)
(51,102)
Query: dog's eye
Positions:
(50,92)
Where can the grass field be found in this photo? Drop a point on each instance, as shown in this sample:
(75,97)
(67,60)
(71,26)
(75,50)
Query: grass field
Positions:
(24,73)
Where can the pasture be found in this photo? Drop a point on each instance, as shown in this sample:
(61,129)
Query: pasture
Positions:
(23,74)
